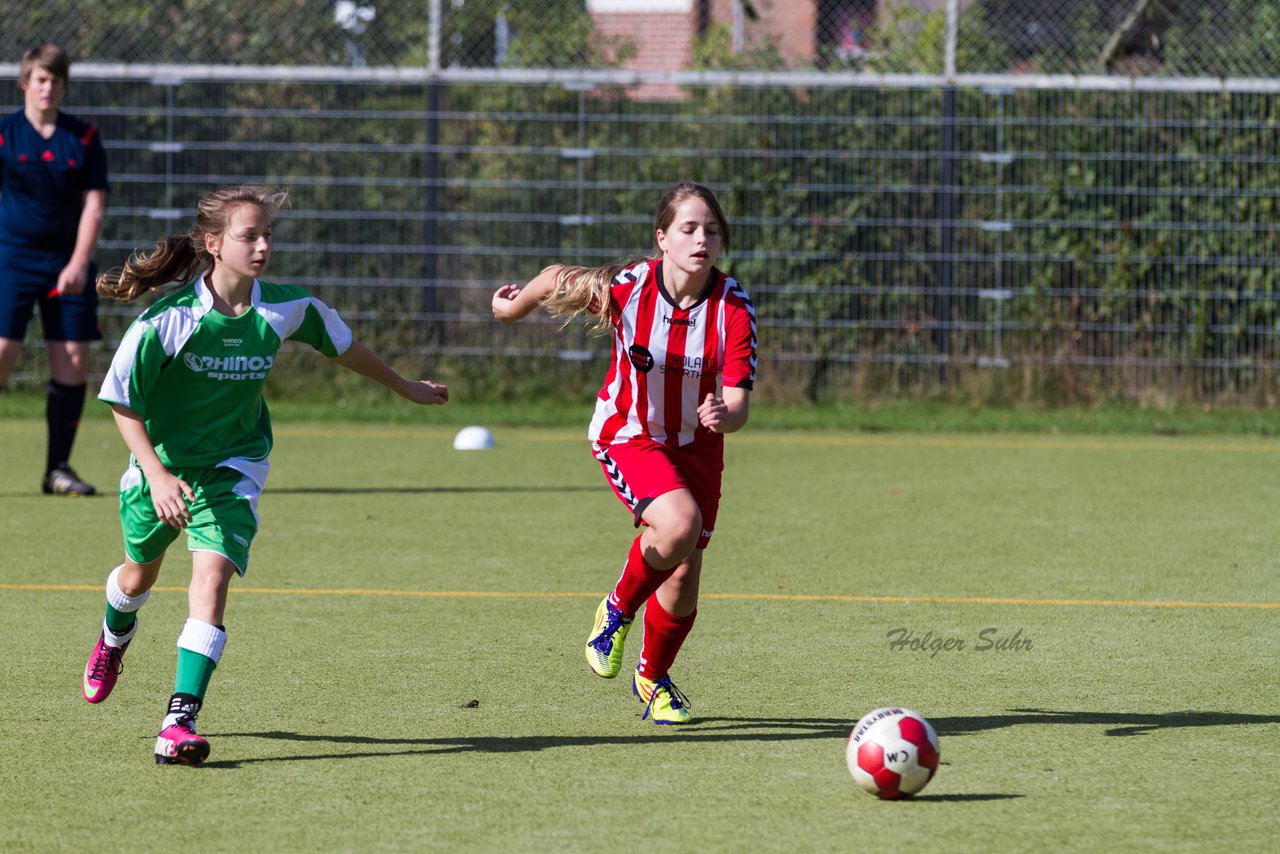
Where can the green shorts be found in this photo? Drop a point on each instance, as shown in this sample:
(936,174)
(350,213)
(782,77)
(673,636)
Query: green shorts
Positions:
(224,515)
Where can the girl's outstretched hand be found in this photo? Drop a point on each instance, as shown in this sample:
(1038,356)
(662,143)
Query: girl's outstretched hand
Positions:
(427,392)
(504,307)
(516,302)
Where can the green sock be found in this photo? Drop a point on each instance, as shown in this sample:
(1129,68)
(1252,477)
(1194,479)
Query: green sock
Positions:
(119,621)
(194,671)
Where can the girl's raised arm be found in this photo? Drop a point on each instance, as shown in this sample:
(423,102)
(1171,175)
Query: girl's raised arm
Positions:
(513,302)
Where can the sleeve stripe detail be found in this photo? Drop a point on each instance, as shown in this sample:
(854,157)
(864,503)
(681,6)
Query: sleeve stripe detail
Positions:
(287,317)
(737,291)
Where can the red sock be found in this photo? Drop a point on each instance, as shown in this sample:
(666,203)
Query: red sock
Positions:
(664,634)
(637,583)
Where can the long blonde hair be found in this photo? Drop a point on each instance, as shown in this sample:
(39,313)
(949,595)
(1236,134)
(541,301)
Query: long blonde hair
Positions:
(178,257)
(581,289)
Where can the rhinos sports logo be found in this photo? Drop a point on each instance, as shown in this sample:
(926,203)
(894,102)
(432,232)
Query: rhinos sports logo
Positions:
(641,358)
(232,368)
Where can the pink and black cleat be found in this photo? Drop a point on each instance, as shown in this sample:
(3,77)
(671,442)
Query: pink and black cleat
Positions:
(178,744)
(103,669)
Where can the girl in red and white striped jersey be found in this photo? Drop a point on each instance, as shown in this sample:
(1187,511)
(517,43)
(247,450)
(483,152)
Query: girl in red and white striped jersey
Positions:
(681,373)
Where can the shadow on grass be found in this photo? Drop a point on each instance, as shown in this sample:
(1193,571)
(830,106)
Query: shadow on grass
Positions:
(425,490)
(738,729)
(956,798)
(35,494)
(1120,723)
(365,490)
(703,730)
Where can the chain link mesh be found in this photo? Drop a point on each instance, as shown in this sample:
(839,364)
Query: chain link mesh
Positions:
(1092,236)
(1179,38)
(912,237)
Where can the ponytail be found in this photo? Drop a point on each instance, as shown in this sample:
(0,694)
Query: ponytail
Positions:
(584,289)
(176,258)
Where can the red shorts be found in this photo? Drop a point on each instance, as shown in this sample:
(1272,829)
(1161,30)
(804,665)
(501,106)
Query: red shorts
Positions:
(639,470)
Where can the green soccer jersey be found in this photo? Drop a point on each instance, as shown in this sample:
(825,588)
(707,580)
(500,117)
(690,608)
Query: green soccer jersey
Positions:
(196,375)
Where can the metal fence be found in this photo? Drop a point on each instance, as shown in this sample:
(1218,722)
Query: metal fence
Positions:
(917,236)
(1023,235)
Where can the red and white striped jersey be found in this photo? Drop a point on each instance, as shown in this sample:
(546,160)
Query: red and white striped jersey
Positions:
(667,359)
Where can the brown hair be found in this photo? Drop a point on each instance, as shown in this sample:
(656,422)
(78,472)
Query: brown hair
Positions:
(178,257)
(50,57)
(580,289)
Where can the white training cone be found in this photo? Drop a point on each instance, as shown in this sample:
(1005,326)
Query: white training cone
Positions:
(473,439)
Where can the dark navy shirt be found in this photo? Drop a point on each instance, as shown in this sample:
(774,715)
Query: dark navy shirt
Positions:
(43,181)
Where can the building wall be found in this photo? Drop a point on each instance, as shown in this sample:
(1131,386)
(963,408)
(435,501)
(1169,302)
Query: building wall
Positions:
(660,34)
(662,41)
(791,24)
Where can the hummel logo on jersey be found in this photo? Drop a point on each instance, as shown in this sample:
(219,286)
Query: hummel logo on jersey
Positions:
(670,321)
(230,367)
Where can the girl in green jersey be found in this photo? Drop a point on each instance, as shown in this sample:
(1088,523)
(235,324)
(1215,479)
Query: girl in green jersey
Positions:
(185,387)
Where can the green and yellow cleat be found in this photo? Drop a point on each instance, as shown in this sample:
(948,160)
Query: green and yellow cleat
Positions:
(664,704)
(604,644)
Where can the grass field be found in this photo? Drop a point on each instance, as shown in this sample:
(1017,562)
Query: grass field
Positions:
(404,671)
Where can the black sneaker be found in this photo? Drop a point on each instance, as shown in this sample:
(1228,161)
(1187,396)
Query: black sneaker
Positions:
(65,481)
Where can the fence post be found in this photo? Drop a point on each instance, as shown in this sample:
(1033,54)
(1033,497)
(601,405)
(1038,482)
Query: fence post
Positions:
(946,202)
(431,172)
(431,224)
(946,242)
(433,36)
(953,26)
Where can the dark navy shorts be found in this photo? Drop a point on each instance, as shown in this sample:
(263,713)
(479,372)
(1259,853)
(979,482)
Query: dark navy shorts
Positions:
(26,278)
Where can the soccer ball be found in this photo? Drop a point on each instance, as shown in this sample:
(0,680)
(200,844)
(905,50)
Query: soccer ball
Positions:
(892,753)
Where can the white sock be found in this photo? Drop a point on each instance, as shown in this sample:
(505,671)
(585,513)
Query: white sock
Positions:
(204,639)
(118,599)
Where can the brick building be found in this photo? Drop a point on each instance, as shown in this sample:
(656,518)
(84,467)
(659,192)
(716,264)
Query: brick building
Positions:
(804,32)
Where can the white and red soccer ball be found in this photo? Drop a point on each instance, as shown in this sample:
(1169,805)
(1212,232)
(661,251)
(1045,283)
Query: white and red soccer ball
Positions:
(892,753)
